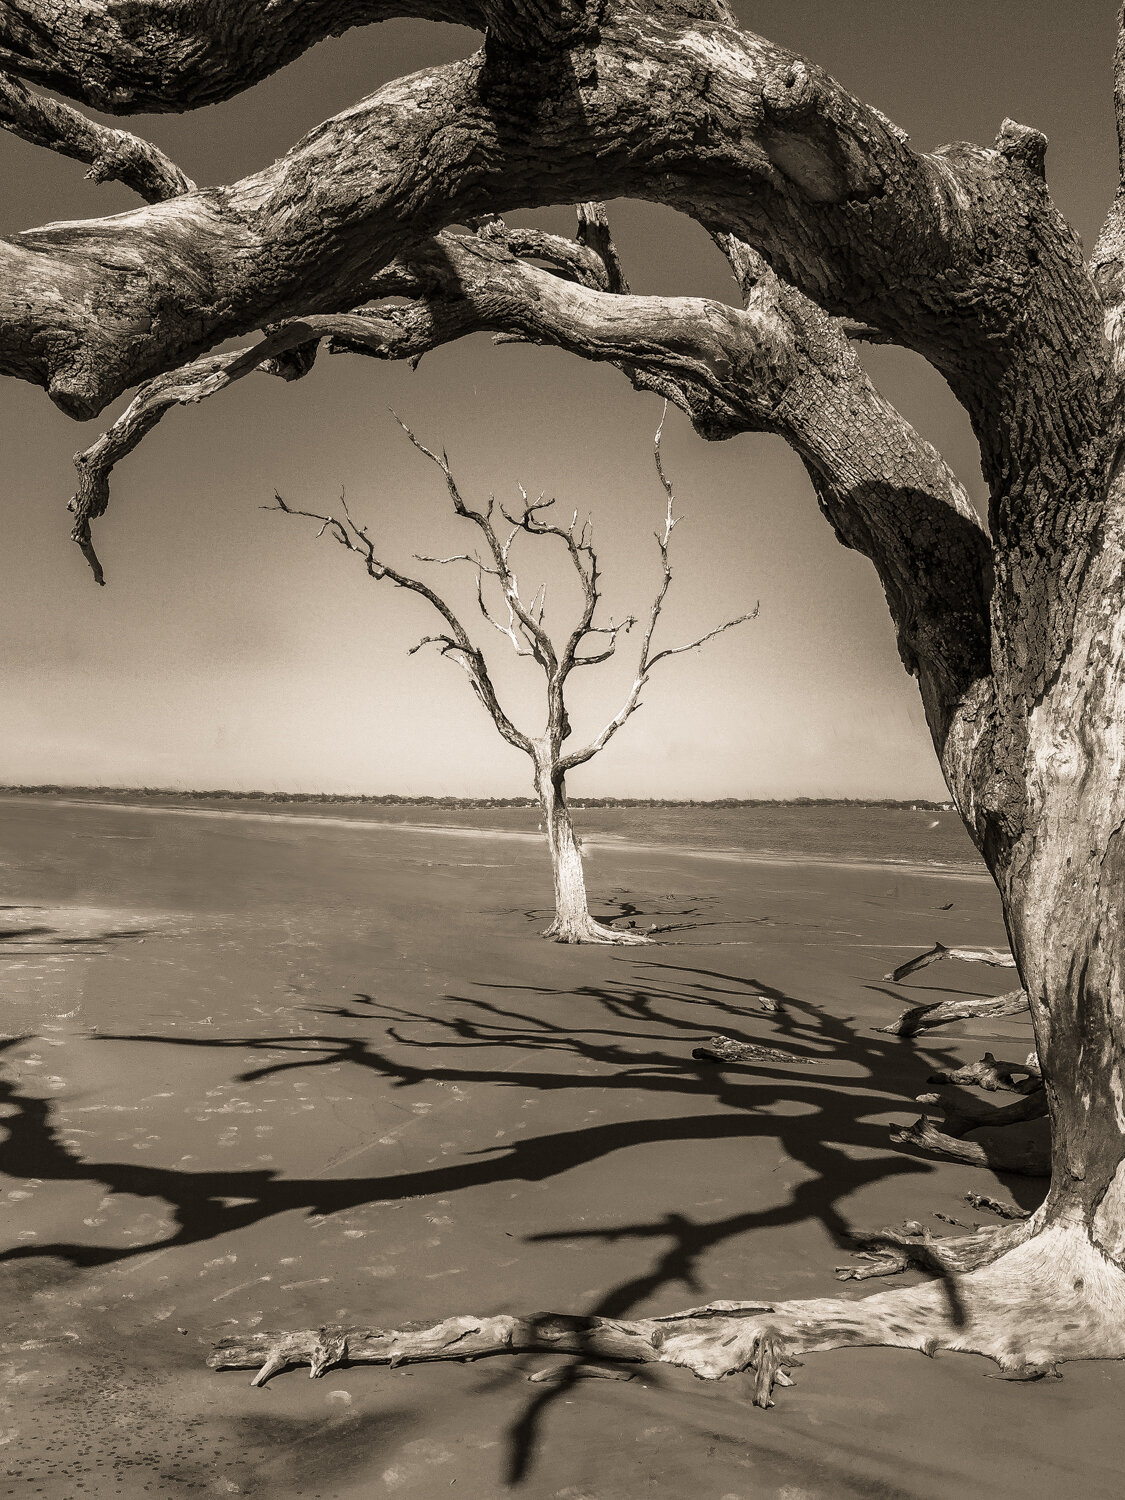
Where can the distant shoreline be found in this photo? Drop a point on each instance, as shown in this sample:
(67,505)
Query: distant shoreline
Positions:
(592,839)
(392,799)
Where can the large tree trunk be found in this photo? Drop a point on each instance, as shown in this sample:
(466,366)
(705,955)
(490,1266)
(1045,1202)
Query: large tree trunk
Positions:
(1063,884)
(573,922)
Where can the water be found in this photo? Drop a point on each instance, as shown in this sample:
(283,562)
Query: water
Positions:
(896,835)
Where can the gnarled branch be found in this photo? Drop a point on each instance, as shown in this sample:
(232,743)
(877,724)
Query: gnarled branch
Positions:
(777,365)
(110,154)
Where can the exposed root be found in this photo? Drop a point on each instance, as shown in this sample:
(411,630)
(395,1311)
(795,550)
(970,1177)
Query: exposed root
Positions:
(991,1075)
(1051,1298)
(966,1113)
(725,1049)
(586,930)
(1026,1158)
(1030,1158)
(994,1206)
(892,1251)
(976,1008)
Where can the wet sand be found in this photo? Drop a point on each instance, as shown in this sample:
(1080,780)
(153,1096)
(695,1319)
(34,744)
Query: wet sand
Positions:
(276,1073)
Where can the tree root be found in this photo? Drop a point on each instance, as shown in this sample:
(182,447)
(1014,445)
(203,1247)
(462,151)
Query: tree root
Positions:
(942,1013)
(994,1206)
(988,1074)
(893,1251)
(586,930)
(725,1049)
(1025,1158)
(1051,1298)
(1030,1158)
(967,1113)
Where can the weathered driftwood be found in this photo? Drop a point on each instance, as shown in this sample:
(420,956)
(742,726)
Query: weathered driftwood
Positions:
(994,1206)
(725,1049)
(987,1073)
(762,1338)
(970,1008)
(943,1012)
(1026,1158)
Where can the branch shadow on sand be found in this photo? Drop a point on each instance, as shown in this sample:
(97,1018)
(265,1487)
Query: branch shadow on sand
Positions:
(642,1023)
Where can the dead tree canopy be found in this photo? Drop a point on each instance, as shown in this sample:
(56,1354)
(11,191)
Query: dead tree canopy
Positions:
(836,227)
(520,618)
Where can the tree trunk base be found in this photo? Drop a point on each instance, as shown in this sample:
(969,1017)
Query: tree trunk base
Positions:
(584,929)
(1053,1298)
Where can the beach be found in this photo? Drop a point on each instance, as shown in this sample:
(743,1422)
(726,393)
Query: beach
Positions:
(281,1068)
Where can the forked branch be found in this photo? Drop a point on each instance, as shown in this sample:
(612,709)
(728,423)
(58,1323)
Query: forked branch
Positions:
(778,365)
(648,660)
(457,644)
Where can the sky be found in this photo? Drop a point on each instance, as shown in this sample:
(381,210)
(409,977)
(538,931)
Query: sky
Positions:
(231,649)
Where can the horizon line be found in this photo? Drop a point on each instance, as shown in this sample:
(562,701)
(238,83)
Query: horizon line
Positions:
(424,799)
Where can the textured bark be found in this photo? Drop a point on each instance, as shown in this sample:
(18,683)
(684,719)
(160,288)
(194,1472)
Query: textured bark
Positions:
(572,921)
(724,1049)
(168,56)
(1071,1303)
(777,365)
(712,120)
(1024,1158)
(996,958)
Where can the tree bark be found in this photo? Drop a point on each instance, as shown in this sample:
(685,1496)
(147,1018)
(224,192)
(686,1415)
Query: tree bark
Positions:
(1063,886)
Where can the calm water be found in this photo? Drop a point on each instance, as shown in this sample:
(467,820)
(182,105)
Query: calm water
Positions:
(897,835)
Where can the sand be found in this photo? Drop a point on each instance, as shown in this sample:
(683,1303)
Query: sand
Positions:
(273,1073)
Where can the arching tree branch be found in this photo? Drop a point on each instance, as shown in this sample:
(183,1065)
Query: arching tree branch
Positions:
(790,161)
(777,365)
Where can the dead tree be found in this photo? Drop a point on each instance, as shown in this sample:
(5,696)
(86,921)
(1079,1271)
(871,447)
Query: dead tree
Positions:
(521,621)
(837,228)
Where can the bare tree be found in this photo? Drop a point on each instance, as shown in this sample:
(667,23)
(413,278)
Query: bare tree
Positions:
(521,622)
(837,229)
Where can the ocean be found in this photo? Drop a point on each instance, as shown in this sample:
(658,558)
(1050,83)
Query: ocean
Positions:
(893,835)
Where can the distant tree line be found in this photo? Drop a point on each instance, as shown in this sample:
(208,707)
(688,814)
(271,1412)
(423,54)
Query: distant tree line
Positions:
(394,799)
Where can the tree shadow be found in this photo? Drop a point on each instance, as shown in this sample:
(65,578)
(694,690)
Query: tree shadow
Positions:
(651,917)
(640,1026)
(41,939)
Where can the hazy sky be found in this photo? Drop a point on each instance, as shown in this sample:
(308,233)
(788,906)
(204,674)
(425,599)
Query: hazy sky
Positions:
(229,649)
